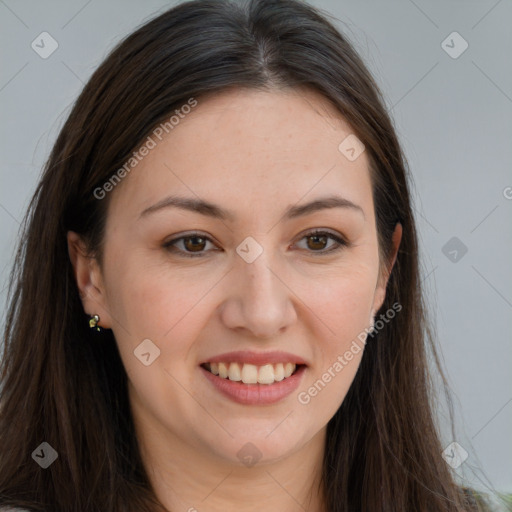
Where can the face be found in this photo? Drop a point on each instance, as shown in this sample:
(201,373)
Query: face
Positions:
(279,272)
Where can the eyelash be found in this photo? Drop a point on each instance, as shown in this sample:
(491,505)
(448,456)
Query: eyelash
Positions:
(341,243)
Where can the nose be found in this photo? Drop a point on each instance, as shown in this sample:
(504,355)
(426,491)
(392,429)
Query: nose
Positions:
(258,300)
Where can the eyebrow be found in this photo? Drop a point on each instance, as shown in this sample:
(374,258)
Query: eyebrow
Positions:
(211,210)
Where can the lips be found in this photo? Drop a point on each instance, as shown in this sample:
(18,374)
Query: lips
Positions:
(254,378)
(256,358)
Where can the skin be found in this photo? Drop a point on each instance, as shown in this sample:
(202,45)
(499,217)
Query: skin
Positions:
(254,153)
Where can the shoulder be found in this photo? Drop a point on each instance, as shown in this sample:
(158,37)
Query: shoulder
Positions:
(479,501)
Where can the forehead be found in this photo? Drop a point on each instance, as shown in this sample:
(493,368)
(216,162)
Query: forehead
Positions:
(247,147)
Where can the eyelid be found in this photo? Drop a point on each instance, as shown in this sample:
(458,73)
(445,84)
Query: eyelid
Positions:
(170,244)
(340,240)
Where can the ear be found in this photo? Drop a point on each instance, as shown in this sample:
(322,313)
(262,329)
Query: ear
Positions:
(380,292)
(88,279)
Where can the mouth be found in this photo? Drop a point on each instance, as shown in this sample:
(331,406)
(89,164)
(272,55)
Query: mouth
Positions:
(254,378)
(247,373)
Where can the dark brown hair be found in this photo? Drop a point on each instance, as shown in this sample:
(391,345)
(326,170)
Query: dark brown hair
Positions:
(65,385)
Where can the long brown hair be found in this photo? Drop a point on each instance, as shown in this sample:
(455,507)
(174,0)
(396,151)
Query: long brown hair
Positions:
(66,386)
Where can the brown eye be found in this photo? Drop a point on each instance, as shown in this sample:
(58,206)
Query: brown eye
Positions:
(194,243)
(190,245)
(318,242)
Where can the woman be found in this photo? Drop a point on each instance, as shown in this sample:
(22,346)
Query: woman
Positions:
(217,303)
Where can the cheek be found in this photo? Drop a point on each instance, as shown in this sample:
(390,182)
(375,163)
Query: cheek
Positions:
(156,301)
(168,311)
(342,308)
(341,303)
(150,304)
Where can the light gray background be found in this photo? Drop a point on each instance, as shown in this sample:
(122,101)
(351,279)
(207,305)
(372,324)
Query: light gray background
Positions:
(454,120)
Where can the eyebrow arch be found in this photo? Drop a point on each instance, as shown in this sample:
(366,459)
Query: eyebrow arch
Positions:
(210,210)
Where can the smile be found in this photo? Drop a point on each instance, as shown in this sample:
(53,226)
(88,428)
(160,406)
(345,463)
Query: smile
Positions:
(250,373)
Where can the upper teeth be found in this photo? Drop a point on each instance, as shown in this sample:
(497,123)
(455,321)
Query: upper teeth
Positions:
(252,374)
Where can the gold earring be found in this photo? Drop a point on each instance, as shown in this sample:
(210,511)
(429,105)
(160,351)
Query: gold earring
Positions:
(93,322)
